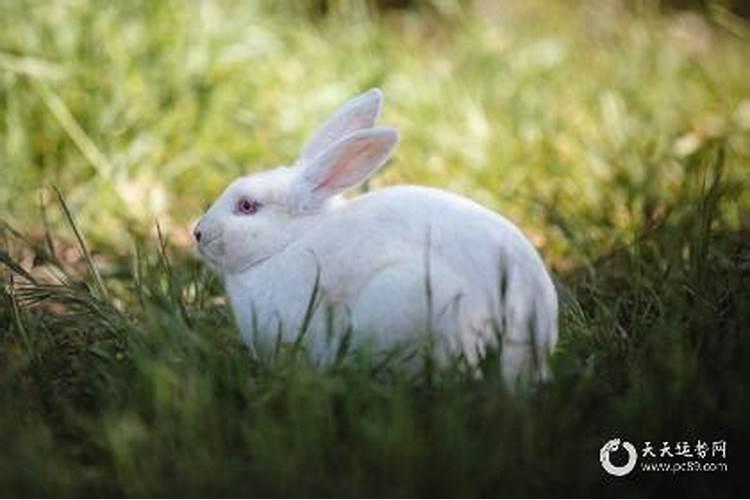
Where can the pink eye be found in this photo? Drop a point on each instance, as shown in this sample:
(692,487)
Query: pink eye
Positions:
(247,206)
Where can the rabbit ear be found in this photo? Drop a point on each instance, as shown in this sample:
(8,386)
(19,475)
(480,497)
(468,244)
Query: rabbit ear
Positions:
(358,113)
(344,165)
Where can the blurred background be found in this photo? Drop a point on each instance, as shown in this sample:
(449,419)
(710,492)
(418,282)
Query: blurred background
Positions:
(615,133)
(576,119)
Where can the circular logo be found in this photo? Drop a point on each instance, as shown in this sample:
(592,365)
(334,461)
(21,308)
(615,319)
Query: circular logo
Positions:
(611,446)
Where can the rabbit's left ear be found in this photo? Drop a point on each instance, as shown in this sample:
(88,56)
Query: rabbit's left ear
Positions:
(358,113)
(345,164)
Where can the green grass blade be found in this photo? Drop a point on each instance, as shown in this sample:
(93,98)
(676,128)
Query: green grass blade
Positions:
(98,281)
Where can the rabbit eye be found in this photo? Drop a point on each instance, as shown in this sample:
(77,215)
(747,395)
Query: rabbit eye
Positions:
(247,207)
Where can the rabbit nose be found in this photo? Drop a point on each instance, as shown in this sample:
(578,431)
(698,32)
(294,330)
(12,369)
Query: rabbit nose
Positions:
(198,235)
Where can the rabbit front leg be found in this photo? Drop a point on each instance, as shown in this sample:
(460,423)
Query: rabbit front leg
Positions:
(269,301)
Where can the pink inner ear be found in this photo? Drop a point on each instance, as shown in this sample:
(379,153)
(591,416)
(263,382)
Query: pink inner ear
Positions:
(344,173)
(360,119)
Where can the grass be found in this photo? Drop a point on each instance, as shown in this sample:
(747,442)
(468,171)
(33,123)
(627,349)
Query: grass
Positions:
(617,136)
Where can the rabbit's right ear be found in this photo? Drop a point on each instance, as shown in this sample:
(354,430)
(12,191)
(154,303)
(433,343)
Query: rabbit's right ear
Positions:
(358,113)
(347,163)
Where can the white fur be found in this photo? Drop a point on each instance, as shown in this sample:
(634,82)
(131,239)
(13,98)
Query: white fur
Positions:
(394,267)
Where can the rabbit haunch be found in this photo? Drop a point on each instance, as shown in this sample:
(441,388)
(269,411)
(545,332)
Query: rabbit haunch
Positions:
(392,267)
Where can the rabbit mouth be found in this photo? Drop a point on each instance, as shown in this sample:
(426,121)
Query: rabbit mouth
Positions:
(212,250)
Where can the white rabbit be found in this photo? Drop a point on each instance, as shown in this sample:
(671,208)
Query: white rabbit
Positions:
(391,267)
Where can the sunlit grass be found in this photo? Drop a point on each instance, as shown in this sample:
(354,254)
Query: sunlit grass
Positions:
(617,137)
(580,114)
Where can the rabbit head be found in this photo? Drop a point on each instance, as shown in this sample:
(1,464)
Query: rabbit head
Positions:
(257,216)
